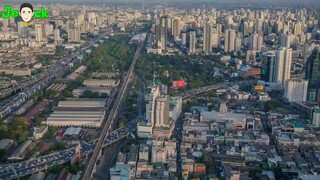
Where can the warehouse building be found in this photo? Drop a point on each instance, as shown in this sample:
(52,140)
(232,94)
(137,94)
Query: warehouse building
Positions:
(82,112)
(78,92)
(101,83)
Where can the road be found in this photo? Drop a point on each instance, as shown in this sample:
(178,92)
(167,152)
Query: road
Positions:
(39,81)
(192,92)
(106,162)
(16,170)
(111,117)
(178,133)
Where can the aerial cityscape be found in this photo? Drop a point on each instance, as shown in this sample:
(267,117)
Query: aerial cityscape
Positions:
(150,90)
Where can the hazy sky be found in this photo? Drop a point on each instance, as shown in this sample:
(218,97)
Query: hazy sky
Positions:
(213,2)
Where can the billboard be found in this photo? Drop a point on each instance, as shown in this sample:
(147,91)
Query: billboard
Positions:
(177,84)
(254,71)
(259,88)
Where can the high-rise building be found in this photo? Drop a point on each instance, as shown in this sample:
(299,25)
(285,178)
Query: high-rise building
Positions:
(38,30)
(219,28)
(184,38)
(229,40)
(283,65)
(158,28)
(57,38)
(269,70)
(285,40)
(316,116)
(192,42)
(258,25)
(5,23)
(176,28)
(92,18)
(238,43)
(164,33)
(207,38)
(244,28)
(215,39)
(151,104)
(295,90)
(162,111)
(21,28)
(251,56)
(70,35)
(256,42)
(313,75)
(77,37)
(57,35)
(259,43)
(297,29)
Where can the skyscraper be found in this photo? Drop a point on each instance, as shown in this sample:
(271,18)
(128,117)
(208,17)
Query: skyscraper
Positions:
(295,90)
(77,37)
(313,75)
(316,116)
(237,46)
(244,28)
(283,65)
(285,40)
(215,39)
(151,104)
(184,38)
(287,64)
(297,29)
(192,42)
(38,30)
(176,28)
(164,33)
(57,38)
(254,41)
(5,23)
(207,38)
(158,28)
(229,40)
(269,70)
(162,110)
(70,29)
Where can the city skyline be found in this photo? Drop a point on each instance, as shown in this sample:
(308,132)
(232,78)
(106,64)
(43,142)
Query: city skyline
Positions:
(137,89)
(177,2)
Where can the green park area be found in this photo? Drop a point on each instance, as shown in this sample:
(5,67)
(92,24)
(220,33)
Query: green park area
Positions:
(114,54)
(168,68)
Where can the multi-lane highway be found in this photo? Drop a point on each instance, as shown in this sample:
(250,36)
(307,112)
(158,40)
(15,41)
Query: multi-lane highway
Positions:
(30,87)
(199,90)
(112,116)
(15,170)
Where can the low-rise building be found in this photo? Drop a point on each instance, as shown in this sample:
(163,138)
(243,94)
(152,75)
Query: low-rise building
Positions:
(21,151)
(6,144)
(78,112)
(39,132)
(101,83)
(120,172)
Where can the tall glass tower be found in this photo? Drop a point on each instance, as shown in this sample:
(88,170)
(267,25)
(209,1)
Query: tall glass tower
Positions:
(313,75)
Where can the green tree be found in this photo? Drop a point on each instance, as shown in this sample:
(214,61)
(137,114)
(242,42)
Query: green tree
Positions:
(39,120)
(51,132)
(208,160)
(272,105)
(122,122)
